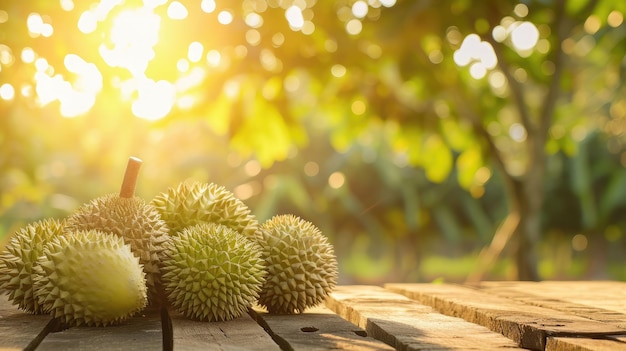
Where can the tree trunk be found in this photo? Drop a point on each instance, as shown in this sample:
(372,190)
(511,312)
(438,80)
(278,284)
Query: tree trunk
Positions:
(531,201)
(527,236)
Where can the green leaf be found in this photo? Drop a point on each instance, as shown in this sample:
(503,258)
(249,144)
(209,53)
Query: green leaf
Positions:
(218,115)
(264,134)
(437,158)
(455,135)
(581,184)
(468,163)
(613,196)
(448,223)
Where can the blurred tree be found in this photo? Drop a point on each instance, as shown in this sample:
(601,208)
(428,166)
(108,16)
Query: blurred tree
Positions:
(452,87)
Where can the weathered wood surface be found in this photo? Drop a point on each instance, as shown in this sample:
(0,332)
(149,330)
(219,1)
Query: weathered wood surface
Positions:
(18,329)
(553,316)
(603,301)
(583,344)
(142,332)
(527,324)
(409,325)
(242,333)
(316,329)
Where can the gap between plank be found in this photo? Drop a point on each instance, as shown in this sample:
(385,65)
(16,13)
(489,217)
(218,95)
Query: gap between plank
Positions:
(53,326)
(166,329)
(282,343)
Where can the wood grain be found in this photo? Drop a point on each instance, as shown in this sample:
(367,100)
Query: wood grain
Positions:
(316,329)
(408,325)
(18,328)
(583,344)
(242,333)
(555,316)
(142,332)
(603,301)
(526,324)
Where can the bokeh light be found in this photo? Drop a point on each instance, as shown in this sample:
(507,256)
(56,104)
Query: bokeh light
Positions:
(615,18)
(476,53)
(336,180)
(177,11)
(360,9)
(311,169)
(208,6)
(524,36)
(225,17)
(7,92)
(156,99)
(294,17)
(296,98)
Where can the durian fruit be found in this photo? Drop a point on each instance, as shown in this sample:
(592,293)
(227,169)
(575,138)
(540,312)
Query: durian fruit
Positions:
(196,202)
(211,272)
(301,265)
(19,257)
(131,218)
(90,278)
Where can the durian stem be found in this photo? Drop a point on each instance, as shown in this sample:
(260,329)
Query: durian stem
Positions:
(130,177)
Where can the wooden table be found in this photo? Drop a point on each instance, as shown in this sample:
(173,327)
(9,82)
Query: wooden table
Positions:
(589,315)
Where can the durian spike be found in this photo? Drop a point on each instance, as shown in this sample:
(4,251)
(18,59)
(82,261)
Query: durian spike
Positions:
(130,177)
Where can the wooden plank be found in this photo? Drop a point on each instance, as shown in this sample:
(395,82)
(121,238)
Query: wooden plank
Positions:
(18,329)
(142,332)
(408,325)
(526,324)
(316,329)
(583,344)
(242,333)
(620,338)
(603,301)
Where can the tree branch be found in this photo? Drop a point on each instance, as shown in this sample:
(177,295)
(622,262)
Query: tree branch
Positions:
(515,86)
(489,254)
(479,129)
(549,105)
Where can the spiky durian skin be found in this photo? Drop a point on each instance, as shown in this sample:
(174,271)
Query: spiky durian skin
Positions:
(212,273)
(20,256)
(138,223)
(301,265)
(195,202)
(90,278)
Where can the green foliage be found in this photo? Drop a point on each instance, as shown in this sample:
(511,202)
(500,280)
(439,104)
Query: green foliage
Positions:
(425,147)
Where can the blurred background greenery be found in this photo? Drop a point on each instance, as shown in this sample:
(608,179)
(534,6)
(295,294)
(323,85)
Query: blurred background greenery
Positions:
(429,140)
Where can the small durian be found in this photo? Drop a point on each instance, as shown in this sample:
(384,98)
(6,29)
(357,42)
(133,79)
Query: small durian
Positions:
(195,202)
(90,278)
(131,218)
(301,265)
(19,257)
(211,272)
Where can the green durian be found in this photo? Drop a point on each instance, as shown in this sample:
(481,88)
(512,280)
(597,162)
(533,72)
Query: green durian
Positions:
(211,272)
(90,278)
(137,223)
(131,218)
(301,265)
(18,259)
(195,202)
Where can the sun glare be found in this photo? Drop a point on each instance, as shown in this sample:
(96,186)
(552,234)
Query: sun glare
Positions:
(127,39)
(134,34)
(155,99)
